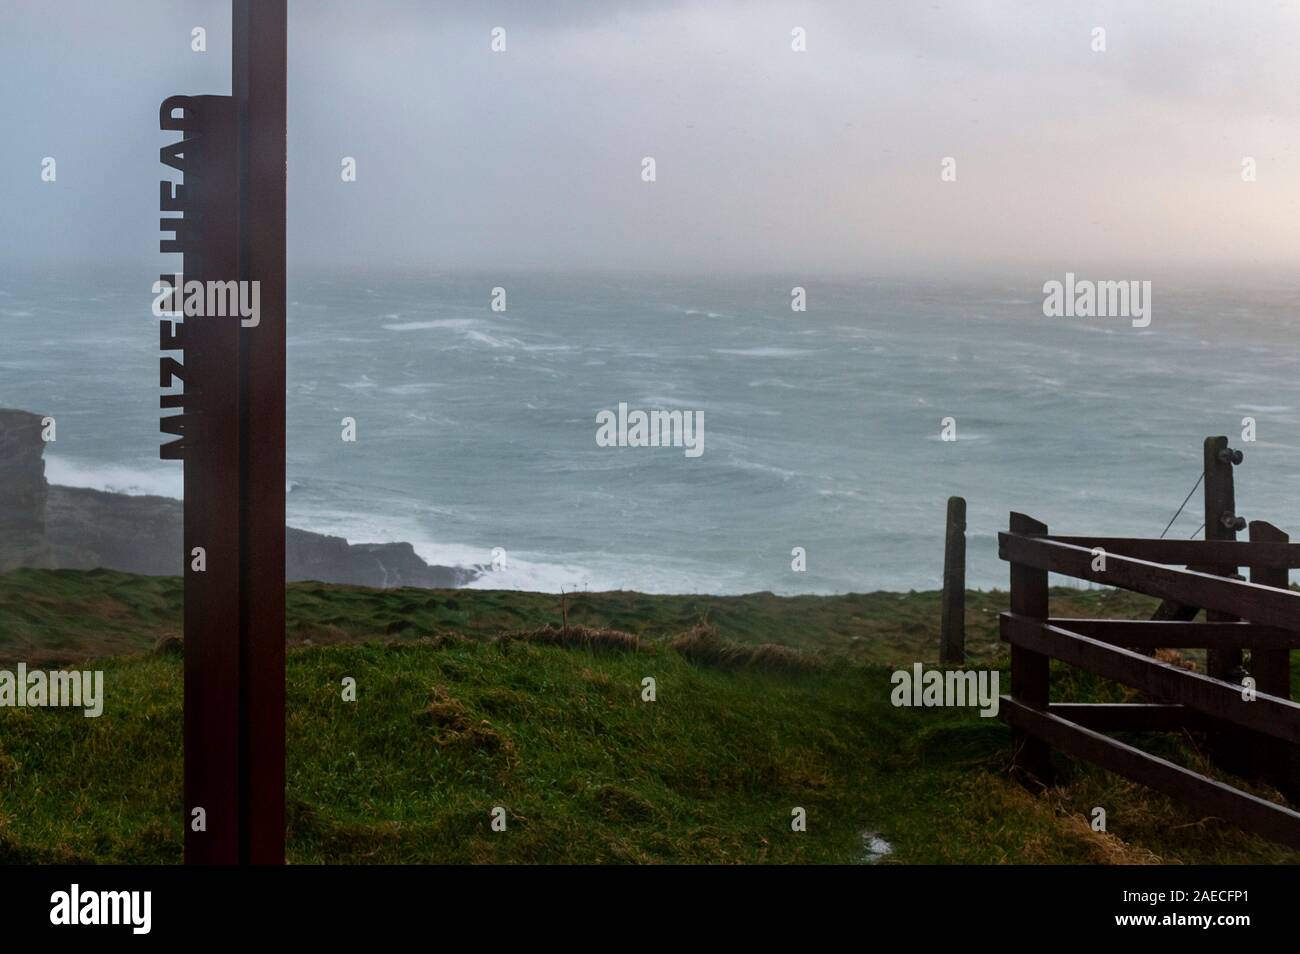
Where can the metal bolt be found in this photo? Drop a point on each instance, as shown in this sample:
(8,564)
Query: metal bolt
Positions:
(1231,521)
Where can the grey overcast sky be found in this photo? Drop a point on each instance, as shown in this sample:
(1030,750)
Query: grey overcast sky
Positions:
(768,159)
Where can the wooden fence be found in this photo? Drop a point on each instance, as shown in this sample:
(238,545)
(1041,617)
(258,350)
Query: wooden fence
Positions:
(1256,736)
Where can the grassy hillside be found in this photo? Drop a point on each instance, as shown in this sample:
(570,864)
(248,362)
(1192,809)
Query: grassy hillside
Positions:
(65,615)
(451,720)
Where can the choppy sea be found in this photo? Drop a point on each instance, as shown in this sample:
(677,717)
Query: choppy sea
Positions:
(822,429)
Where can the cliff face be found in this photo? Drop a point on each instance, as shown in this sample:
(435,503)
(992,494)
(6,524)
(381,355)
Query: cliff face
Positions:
(23,491)
(79,529)
(90,528)
(314,556)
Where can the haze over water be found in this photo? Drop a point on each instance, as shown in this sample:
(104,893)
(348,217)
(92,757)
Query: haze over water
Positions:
(1169,152)
(822,429)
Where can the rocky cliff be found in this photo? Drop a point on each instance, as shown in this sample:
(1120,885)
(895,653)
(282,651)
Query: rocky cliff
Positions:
(314,556)
(22,492)
(80,529)
(90,528)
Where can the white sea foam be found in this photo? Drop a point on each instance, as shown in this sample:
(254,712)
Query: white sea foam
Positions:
(404,390)
(538,574)
(741,463)
(764,352)
(523,569)
(160,481)
(474,330)
(692,312)
(455,324)
(493,341)
(365,384)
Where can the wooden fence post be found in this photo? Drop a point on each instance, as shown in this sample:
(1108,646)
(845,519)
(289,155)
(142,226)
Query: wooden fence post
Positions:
(1030,680)
(1229,748)
(1272,759)
(952,621)
(1220,504)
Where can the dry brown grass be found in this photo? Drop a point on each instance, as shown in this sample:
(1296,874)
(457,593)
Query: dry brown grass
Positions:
(446,712)
(1049,826)
(312,633)
(456,727)
(1176,657)
(1103,847)
(577,637)
(169,644)
(702,644)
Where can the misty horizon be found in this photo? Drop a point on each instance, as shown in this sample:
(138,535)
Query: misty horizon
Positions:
(824,162)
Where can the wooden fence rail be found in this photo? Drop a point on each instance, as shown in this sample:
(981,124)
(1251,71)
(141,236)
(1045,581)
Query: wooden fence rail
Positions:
(1252,601)
(1261,724)
(1194,552)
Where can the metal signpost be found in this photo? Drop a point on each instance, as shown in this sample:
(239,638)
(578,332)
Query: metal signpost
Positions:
(230,433)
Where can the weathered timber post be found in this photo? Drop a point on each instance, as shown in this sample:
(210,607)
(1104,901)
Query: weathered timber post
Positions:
(952,618)
(1228,748)
(1030,677)
(1272,759)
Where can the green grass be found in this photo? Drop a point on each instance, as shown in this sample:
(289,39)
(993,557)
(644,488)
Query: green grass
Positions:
(444,729)
(67,615)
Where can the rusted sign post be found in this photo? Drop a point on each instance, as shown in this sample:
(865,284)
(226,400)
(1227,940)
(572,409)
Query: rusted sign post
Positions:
(231,437)
(259,86)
